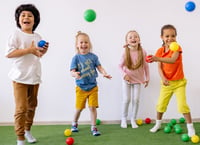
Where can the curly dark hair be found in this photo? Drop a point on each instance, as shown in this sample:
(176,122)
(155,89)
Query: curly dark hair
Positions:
(31,8)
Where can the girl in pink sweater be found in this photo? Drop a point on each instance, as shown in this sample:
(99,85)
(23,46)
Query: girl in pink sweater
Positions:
(135,71)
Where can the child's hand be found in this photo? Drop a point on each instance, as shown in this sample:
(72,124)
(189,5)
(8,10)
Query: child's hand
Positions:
(76,75)
(126,78)
(44,48)
(35,50)
(165,82)
(107,76)
(146,83)
(151,58)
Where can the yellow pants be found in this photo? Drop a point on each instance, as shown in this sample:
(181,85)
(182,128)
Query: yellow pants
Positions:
(179,89)
(82,96)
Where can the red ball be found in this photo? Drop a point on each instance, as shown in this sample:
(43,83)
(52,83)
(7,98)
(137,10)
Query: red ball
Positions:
(147,58)
(147,120)
(70,141)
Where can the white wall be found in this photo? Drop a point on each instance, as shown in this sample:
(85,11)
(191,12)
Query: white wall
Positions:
(61,19)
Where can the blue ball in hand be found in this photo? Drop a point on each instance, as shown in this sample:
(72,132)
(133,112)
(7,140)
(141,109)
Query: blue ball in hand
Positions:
(41,43)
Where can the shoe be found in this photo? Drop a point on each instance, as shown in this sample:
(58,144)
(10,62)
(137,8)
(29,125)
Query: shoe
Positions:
(191,133)
(95,132)
(191,130)
(133,124)
(20,142)
(74,128)
(29,137)
(123,124)
(155,128)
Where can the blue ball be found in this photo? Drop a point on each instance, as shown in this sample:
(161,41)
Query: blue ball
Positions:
(41,43)
(190,6)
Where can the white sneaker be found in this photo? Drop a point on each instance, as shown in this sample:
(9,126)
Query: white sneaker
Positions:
(191,130)
(155,128)
(133,124)
(29,137)
(20,142)
(123,124)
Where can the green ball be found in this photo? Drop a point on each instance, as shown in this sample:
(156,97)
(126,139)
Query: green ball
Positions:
(170,124)
(173,121)
(90,15)
(167,129)
(185,137)
(178,130)
(98,121)
(177,126)
(182,120)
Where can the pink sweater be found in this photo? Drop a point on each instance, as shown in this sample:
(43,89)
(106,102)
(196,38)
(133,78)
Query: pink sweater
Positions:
(139,75)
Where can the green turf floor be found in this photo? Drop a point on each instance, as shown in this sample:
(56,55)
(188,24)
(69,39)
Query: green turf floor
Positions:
(111,135)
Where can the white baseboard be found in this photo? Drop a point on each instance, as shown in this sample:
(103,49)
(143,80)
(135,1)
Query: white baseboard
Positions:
(82,122)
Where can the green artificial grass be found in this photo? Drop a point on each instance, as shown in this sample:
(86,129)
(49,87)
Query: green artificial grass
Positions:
(111,135)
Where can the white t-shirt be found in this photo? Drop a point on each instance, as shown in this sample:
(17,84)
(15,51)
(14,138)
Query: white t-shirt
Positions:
(27,68)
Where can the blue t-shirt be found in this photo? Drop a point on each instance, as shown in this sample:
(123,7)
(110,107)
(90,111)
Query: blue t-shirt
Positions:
(86,65)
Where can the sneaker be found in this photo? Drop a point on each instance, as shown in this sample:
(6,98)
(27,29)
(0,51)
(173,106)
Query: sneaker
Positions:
(191,133)
(74,128)
(133,124)
(123,124)
(95,132)
(155,128)
(20,142)
(191,130)
(29,137)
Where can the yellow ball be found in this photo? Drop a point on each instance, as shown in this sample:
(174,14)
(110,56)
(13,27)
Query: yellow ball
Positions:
(195,138)
(174,46)
(67,132)
(139,121)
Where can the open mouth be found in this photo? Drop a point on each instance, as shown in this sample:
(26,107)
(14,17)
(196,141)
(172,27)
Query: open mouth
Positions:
(26,22)
(83,47)
(133,42)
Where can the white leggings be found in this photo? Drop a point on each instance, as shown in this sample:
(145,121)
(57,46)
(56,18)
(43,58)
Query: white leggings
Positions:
(131,93)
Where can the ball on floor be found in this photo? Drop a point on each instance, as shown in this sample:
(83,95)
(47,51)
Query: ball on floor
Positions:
(70,141)
(67,132)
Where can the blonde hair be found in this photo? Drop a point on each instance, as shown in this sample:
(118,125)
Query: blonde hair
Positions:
(128,62)
(79,33)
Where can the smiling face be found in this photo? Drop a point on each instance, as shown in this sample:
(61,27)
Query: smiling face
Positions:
(83,44)
(168,36)
(133,39)
(26,21)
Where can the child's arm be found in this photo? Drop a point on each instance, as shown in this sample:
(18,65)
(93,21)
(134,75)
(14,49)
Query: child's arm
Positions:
(171,59)
(75,74)
(146,70)
(103,72)
(164,80)
(20,52)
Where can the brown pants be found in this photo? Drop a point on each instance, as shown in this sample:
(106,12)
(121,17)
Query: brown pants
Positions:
(26,103)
